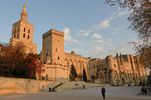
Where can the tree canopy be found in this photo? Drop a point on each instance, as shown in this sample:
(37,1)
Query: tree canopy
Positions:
(14,63)
(73,73)
(140,19)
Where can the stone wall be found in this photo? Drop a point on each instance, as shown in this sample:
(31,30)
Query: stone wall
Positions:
(55,72)
(22,86)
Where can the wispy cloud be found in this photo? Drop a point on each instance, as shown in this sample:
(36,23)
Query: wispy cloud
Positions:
(115,15)
(97,36)
(67,34)
(116,30)
(98,50)
(82,34)
(121,48)
(68,37)
(102,45)
(105,24)
(122,13)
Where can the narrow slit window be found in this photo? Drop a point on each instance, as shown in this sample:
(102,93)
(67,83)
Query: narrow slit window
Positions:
(24,35)
(28,31)
(28,37)
(24,29)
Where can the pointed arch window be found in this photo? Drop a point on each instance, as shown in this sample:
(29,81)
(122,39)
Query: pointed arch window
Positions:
(28,31)
(28,37)
(14,35)
(24,35)
(115,65)
(18,35)
(24,29)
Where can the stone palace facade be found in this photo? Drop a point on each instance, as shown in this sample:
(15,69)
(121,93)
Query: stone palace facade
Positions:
(118,70)
(58,64)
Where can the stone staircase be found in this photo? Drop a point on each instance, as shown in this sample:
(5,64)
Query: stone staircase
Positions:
(52,86)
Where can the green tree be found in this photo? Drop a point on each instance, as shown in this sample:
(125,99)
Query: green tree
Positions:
(73,73)
(84,76)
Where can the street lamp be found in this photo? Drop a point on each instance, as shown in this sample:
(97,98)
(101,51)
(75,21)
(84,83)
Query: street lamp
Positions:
(55,70)
(67,70)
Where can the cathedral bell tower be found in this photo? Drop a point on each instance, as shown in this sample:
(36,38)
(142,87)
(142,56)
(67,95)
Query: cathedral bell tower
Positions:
(24,15)
(23,33)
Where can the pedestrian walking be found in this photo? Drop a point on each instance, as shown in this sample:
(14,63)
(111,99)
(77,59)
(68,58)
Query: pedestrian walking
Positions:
(145,89)
(83,86)
(103,92)
(50,89)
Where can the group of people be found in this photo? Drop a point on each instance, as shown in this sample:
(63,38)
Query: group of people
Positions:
(144,89)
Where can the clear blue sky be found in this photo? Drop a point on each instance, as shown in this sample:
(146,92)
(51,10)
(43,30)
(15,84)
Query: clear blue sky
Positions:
(91,27)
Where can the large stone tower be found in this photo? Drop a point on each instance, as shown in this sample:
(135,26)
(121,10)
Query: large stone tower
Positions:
(23,33)
(53,56)
(53,47)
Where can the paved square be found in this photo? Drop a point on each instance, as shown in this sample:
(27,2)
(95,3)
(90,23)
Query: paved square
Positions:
(113,93)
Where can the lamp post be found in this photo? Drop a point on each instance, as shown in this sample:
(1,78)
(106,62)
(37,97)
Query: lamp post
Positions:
(54,63)
(57,60)
(55,71)
(67,70)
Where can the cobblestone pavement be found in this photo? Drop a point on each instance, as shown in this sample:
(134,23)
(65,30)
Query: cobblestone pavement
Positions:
(113,93)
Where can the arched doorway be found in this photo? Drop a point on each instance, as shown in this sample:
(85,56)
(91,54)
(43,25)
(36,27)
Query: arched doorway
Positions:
(84,75)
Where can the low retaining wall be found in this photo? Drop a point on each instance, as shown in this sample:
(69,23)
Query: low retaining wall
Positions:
(21,86)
